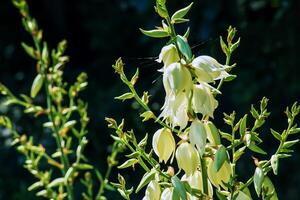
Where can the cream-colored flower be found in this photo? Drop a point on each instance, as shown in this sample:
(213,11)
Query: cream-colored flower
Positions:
(163,144)
(177,81)
(167,194)
(153,191)
(177,78)
(222,176)
(203,100)
(195,181)
(187,158)
(198,135)
(207,69)
(175,110)
(168,55)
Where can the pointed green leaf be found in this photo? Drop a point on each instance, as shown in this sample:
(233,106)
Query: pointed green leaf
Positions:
(125,96)
(29,50)
(156,33)
(256,149)
(128,163)
(276,134)
(243,125)
(179,187)
(289,144)
(181,13)
(148,176)
(220,158)
(184,47)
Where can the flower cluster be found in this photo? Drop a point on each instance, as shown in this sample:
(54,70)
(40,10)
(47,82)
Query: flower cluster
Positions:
(187,86)
(188,93)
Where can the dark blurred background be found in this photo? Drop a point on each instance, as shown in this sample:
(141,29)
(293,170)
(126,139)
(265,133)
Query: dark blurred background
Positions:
(99,31)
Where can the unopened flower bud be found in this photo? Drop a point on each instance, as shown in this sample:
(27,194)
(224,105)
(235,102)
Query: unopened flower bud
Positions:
(198,135)
(187,158)
(168,55)
(163,144)
(153,191)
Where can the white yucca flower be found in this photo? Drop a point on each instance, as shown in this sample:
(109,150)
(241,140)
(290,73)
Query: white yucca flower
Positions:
(198,135)
(153,191)
(177,82)
(207,69)
(195,181)
(203,100)
(168,55)
(187,158)
(163,144)
(167,194)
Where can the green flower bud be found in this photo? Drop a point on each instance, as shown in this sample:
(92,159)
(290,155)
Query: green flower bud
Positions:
(153,191)
(203,100)
(198,135)
(168,55)
(163,144)
(187,158)
(223,175)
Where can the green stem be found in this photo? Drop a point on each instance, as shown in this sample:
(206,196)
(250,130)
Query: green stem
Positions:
(64,159)
(111,164)
(204,176)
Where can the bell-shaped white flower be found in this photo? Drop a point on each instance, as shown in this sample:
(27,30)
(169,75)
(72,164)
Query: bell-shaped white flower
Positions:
(198,135)
(177,78)
(207,69)
(203,100)
(196,182)
(187,158)
(153,191)
(168,55)
(220,177)
(167,194)
(175,110)
(163,144)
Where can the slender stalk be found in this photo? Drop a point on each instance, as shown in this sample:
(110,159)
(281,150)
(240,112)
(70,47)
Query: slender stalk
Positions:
(204,176)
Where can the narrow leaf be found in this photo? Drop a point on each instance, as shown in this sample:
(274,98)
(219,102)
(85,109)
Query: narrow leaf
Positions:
(181,13)
(125,96)
(220,158)
(276,134)
(128,163)
(156,33)
(243,126)
(184,47)
(256,149)
(179,187)
(149,176)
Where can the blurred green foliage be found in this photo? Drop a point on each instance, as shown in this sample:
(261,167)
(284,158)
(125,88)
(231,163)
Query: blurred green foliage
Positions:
(99,31)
